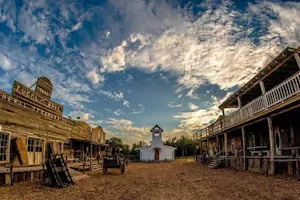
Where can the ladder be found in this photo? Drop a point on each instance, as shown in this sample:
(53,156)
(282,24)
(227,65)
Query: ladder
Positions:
(57,169)
(65,174)
(52,172)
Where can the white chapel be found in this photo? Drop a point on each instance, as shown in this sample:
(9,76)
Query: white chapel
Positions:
(157,151)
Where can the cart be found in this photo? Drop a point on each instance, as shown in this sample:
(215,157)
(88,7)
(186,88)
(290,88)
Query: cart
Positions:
(113,162)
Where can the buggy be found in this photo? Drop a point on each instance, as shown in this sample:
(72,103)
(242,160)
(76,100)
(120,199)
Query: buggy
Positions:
(113,162)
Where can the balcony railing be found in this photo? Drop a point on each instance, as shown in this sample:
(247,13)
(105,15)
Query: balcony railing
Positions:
(276,95)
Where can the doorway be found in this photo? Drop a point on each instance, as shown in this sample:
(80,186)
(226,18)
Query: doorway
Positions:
(156,154)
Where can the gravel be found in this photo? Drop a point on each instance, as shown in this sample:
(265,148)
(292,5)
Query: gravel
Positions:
(176,180)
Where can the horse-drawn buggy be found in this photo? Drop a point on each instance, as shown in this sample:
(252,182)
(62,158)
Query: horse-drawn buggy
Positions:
(113,161)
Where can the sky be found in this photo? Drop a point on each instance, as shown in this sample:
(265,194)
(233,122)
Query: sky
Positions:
(130,64)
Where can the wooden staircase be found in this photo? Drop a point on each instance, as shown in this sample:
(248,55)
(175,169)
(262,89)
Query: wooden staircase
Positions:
(217,161)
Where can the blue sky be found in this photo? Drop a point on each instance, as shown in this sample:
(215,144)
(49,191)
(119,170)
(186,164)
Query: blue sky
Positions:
(127,65)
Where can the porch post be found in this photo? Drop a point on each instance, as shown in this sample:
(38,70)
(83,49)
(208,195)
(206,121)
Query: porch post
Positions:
(263,91)
(239,102)
(207,148)
(272,145)
(218,146)
(244,148)
(225,150)
(296,55)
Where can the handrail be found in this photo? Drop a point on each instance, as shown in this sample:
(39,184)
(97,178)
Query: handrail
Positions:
(218,154)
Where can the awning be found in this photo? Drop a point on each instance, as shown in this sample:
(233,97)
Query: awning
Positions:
(88,141)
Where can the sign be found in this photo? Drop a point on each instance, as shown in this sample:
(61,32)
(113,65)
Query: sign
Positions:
(21,91)
(44,87)
(10,99)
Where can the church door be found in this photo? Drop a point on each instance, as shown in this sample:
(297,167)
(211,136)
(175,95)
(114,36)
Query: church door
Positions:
(156,155)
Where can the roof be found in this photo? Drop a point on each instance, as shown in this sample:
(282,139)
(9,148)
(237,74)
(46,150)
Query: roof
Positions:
(270,67)
(156,126)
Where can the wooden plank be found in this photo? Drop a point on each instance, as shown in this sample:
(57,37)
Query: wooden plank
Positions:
(22,150)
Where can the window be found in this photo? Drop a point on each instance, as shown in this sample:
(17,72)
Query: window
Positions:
(4,147)
(35,145)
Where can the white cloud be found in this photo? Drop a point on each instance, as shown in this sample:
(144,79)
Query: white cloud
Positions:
(118,112)
(116,96)
(193,106)
(95,77)
(5,62)
(115,60)
(212,49)
(172,105)
(77,26)
(126,130)
(34,26)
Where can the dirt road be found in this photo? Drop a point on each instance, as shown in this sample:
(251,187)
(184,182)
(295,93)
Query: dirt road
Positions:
(178,180)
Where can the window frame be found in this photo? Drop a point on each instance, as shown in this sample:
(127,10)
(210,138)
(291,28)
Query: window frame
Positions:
(8,147)
(34,145)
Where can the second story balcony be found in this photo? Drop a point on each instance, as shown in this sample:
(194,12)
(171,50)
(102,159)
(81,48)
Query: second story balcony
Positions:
(274,87)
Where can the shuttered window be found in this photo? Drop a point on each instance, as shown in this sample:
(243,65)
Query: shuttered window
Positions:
(4,147)
(35,145)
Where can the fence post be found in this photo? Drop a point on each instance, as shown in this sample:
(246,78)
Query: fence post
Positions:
(11,175)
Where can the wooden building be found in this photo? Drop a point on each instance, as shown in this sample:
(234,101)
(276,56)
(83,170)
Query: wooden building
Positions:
(29,120)
(263,133)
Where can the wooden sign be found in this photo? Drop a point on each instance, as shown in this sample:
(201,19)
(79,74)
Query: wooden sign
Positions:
(44,87)
(29,96)
(16,101)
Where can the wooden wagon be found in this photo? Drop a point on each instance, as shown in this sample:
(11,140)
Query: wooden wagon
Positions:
(113,162)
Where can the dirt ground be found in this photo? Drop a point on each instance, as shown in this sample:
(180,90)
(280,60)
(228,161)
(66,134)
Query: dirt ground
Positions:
(177,180)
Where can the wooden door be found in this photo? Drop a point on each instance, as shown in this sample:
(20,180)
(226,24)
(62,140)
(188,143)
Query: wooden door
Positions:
(156,154)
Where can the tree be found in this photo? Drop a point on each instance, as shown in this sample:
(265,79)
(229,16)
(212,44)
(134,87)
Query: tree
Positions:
(114,141)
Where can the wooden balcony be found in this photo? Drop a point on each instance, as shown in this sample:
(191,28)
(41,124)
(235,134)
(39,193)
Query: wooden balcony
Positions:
(278,95)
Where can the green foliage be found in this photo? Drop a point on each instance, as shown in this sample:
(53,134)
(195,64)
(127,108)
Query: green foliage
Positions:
(114,141)
(184,145)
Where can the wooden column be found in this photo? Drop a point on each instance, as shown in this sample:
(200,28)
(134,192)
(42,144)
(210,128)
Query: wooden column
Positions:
(225,150)
(292,135)
(296,55)
(218,145)
(223,112)
(245,161)
(207,146)
(262,87)
(272,145)
(263,91)
(239,102)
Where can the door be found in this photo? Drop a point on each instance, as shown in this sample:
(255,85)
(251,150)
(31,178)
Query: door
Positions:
(156,154)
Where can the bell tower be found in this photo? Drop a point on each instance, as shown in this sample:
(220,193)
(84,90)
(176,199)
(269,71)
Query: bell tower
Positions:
(156,132)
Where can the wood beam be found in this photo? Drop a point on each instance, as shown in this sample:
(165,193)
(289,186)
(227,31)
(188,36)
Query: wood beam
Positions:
(207,144)
(239,102)
(218,145)
(262,87)
(244,148)
(296,55)
(272,145)
(226,150)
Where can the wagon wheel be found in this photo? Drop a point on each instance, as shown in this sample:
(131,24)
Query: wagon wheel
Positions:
(122,169)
